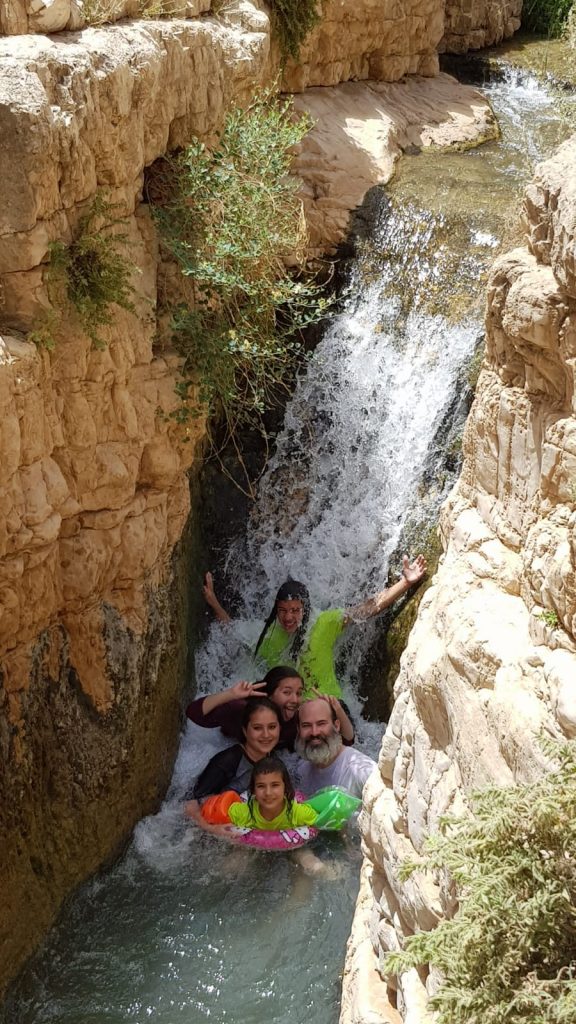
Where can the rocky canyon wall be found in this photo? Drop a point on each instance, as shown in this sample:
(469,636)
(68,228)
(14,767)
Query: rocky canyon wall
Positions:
(473,24)
(491,661)
(94,493)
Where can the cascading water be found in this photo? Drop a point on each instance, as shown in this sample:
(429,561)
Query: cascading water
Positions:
(179,931)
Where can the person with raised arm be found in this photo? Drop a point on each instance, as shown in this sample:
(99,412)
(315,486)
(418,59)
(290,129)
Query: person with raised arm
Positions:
(295,635)
(282,685)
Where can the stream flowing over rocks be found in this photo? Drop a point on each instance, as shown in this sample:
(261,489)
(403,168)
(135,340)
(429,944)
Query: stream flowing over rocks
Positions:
(99,506)
(490,664)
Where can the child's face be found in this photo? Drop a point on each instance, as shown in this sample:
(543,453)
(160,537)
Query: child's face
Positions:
(288,695)
(289,615)
(269,794)
(262,733)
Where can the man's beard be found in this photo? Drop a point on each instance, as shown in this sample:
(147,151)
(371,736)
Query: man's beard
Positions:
(321,754)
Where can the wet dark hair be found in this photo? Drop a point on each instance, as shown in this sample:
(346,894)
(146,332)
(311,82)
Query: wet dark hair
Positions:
(292,590)
(275,676)
(267,766)
(256,704)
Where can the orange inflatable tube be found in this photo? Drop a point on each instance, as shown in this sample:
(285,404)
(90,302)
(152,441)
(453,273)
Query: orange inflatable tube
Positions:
(215,808)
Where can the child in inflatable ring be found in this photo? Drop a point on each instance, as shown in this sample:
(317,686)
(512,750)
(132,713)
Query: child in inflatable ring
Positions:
(272,805)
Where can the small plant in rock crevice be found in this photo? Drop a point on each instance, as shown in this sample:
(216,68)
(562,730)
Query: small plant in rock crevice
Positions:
(88,276)
(232,219)
(292,20)
(508,956)
(550,617)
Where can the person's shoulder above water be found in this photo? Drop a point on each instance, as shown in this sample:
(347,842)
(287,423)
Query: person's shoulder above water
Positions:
(349,771)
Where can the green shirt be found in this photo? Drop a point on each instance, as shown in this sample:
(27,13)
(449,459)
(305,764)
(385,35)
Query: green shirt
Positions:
(316,659)
(300,814)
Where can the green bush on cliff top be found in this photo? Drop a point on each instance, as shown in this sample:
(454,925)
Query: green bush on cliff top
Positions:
(231,218)
(509,954)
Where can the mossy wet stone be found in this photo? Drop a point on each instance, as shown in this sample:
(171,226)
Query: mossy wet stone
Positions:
(381,666)
(77,779)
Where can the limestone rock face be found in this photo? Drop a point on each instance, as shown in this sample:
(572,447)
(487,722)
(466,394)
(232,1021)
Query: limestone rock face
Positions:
(359,131)
(491,660)
(94,492)
(473,24)
(47,16)
(379,39)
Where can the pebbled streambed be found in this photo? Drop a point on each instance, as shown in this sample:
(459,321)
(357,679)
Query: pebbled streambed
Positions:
(180,930)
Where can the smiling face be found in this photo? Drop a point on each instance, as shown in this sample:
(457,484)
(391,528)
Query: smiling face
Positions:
(319,739)
(269,793)
(289,614)
(288,695)
(262,733)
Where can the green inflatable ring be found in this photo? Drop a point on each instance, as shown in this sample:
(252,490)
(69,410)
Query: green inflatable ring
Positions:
(334,807)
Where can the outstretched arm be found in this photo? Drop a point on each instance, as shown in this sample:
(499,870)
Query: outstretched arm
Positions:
(211,599)
(412,572)
(237,692)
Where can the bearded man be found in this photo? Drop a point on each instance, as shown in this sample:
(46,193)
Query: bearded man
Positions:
(325,759)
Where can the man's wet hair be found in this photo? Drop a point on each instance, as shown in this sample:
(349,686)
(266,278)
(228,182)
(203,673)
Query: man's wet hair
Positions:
(311,700)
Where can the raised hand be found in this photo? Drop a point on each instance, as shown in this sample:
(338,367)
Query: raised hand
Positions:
(413,571)
(211,599)
(243,689)
(208,589)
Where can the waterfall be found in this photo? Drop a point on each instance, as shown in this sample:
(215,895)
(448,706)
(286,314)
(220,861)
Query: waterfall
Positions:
(171,934)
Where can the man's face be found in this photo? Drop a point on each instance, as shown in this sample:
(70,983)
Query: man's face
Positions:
(319,739)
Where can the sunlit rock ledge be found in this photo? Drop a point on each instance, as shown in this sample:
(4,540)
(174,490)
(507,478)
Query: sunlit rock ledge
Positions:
(360,130)
(484,674)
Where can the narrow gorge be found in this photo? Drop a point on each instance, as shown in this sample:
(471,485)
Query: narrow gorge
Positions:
(102,556)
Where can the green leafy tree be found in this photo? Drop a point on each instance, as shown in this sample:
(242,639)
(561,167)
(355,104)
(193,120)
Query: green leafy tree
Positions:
(508,956)
(232,219)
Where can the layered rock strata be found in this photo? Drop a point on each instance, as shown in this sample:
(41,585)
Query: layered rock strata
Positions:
(491,662)
(358,132)
(94,494)
(474,24)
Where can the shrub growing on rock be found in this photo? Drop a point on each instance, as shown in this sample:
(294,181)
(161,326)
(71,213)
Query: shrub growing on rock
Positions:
(292,20)
(87,276)
(509,954)
(232,219)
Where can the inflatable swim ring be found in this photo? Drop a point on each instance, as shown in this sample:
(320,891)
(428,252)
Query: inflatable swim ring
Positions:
(215,811)
(334,807)
(286,839)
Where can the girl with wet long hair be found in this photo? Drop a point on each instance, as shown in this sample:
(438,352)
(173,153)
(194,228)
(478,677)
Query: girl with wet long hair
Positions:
(294,634)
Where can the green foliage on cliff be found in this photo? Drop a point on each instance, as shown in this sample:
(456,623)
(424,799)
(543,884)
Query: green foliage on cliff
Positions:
(88,276)
(546,17)
(292,20)
(231,218)
(509,954)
